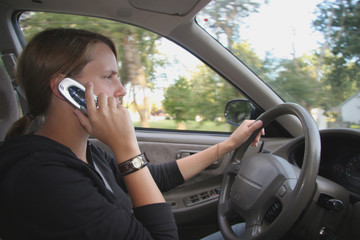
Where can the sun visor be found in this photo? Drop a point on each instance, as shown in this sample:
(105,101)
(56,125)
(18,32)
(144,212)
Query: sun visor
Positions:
(170,7)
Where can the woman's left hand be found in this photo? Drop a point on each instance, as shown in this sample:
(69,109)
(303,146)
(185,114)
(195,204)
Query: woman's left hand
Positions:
(244,131)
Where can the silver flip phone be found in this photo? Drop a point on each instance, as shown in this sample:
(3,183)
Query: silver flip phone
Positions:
(74,92)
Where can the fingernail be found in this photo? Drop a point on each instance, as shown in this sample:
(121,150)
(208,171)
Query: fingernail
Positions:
(259,123)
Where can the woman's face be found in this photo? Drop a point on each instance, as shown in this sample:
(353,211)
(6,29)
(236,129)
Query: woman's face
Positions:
(102,71)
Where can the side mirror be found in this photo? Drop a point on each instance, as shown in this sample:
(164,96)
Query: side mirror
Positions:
(238,110)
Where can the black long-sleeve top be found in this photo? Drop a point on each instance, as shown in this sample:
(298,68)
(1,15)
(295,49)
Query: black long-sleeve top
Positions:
(46,192)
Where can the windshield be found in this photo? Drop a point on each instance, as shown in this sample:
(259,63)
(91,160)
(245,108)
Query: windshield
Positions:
(306,51)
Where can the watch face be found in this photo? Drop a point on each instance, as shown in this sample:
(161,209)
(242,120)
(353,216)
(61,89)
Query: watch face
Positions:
(137,162)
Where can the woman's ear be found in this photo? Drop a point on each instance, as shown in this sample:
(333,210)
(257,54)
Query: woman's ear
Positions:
(54,82)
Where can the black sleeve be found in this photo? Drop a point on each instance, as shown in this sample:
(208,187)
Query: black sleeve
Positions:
(57,202)
(166,175)
(151,216)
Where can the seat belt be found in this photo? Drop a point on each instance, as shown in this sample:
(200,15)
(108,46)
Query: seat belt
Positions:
(10,61)
(102,176)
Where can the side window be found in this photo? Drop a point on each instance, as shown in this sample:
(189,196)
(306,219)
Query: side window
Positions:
(167,87)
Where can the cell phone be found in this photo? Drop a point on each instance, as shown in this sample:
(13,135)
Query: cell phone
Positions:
(74,93)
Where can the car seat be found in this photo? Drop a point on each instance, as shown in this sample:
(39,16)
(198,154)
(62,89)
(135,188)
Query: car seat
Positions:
(8,103)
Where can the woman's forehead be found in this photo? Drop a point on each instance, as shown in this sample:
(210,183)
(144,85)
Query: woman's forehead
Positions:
(103,56)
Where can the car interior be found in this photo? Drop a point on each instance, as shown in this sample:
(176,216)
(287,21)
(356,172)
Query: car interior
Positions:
(300,182)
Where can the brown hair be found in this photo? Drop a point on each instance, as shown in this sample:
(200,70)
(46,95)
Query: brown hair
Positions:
(49,53)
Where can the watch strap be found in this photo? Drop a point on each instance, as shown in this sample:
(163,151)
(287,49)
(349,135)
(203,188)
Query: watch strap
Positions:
(133,164)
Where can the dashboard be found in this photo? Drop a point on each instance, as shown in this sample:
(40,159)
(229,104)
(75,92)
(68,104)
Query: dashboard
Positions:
(340,157)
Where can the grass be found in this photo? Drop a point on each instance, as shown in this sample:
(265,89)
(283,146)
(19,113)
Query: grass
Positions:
(189,125)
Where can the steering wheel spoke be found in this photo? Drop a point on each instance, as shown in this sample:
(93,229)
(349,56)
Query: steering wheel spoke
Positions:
(225,208)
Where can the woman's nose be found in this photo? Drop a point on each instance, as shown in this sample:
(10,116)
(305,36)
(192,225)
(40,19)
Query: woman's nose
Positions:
(120,90)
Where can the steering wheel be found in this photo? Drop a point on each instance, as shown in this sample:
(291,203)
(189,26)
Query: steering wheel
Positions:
(266,190)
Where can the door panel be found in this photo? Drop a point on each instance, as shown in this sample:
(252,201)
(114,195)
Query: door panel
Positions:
(197,197)
(194,203)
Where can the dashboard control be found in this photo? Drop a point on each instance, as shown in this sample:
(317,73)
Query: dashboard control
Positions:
(326,234)
(329,203)
(201,197)
(273,212)
(282,191)
(335,205)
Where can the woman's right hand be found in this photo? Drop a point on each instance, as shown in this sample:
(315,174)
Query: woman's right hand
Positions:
(110,122)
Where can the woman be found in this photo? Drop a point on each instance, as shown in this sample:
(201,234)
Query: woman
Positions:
(54,183)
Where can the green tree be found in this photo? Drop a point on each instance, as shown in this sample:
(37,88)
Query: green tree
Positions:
(206,88)
(209,91)
(178,101)
(204,95)
(298,78)
(227,17)
(138,63)
(244,51)
(339,21)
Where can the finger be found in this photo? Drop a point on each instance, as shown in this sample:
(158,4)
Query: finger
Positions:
(102,101)
(89,97)
(256,125)
(257,139)
(112,102)
(249,122)
(255,142)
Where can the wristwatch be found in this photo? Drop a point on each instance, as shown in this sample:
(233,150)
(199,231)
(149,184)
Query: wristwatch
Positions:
(133,164)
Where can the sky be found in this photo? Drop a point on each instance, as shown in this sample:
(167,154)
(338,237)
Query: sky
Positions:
(283,30)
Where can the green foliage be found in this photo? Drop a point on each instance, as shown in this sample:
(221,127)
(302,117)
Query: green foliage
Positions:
(299,81)
(204,95)
(339,21)
(243,50)
(228,16)
(144,42)
(342,80)
(178,100)
(206,87)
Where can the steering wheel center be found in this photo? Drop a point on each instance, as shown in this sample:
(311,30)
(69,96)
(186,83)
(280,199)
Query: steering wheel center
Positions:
(260,183)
